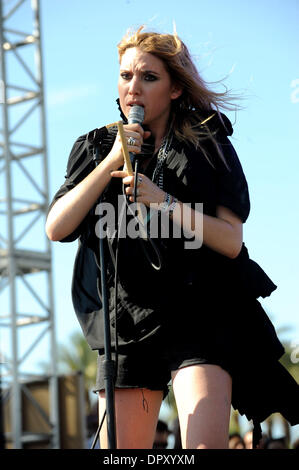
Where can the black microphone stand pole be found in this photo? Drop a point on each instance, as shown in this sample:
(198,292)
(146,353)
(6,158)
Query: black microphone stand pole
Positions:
(109,364)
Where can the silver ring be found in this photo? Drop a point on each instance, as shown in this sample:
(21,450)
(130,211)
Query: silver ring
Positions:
(131,141)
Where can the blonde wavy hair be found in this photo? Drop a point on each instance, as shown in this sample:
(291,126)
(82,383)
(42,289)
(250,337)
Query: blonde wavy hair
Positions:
(185,119)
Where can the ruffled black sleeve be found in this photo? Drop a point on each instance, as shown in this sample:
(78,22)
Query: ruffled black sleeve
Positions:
(232,188)
(219,181)
(81,163)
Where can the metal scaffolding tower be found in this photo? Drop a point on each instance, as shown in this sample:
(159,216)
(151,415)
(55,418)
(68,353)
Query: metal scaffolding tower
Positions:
(26,289)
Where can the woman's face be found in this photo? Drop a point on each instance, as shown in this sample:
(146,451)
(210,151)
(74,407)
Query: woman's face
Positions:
(144,81)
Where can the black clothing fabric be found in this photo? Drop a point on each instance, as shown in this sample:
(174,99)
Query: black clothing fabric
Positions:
(199,297)
(148,364)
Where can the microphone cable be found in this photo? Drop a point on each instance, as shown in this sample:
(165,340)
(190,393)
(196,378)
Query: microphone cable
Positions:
(141,240)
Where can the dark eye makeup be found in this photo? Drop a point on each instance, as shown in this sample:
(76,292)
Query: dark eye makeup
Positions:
(147,76)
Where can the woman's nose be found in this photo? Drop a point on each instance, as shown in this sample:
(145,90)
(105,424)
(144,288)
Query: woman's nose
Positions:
(134,88)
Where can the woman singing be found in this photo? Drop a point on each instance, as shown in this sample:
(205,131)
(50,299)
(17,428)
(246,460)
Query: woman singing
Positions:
(181,311)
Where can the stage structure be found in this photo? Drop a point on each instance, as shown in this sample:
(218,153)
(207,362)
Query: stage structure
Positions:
(27,331)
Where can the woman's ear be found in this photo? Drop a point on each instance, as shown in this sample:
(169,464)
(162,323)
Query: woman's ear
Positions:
(176,91)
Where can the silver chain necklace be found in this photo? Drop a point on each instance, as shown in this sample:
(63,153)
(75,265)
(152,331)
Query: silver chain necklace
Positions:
(161,157)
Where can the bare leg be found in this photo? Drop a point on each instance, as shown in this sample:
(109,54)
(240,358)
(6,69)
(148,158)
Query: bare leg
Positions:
(203,398)
(136,412)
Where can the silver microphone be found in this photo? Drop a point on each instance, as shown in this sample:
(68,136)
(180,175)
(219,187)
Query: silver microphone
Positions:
(136,116)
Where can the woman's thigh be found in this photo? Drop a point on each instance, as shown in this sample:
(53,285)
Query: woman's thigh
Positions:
(136,415)
(203,398)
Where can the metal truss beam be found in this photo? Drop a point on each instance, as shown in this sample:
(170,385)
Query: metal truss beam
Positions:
(25,251)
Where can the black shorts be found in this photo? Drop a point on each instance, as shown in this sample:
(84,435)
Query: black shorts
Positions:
(149,364)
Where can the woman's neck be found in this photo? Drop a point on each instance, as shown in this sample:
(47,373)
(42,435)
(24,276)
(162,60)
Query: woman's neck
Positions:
(158,143)
(158,135)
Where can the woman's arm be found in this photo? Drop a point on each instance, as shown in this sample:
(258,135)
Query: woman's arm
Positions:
(223,233)
(69,210)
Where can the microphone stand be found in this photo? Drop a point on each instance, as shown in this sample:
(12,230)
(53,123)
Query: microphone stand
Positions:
(109,364)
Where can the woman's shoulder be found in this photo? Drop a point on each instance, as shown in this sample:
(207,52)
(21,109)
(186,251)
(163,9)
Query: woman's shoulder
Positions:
(215,122)
(213,130)
(82,152)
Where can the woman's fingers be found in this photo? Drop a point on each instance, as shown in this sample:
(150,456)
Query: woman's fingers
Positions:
(148,192)
(134,137)
(127,179)
(134,141)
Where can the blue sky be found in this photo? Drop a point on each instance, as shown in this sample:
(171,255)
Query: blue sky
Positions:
(254,46)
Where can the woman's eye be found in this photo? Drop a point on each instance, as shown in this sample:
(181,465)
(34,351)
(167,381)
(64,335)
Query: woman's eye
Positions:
(125,75)
(150,77)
